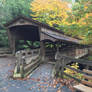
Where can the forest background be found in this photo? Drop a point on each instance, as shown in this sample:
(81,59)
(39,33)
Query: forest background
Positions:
(73,17)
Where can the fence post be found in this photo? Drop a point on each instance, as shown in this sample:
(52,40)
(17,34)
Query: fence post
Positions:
(42,51)
(59,67)
(62,66)
(22,66)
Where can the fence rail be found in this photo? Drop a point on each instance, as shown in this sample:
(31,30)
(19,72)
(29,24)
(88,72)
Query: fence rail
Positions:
(26,62)
(63,63)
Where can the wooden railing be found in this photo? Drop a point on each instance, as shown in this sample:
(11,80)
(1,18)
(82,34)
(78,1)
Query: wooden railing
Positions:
(63,63)
(26,62)
(76,53)
(84,52)
(50,54)
(5,52)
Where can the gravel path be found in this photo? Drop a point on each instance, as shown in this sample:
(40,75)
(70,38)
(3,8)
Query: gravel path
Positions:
(39,81)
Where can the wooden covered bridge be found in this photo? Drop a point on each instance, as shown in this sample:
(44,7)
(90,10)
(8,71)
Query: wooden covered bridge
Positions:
(22,28)
(27,29)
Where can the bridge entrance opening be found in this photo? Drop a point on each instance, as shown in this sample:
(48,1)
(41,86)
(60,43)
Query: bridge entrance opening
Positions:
(25,36)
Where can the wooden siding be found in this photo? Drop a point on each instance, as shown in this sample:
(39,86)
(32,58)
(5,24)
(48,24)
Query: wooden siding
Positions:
(21,22)
(58,36)
(72,52)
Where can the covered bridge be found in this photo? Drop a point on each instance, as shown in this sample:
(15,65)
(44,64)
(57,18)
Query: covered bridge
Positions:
(23,28)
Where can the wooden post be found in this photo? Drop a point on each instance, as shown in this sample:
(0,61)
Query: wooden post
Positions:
(13,45)
(58,62)
(9,38)
(59,67)
(42,51)
(62,66)
(56,69)
(22,66)
(57,55)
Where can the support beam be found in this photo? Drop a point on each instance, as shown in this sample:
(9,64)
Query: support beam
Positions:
(13,45)
(42,50)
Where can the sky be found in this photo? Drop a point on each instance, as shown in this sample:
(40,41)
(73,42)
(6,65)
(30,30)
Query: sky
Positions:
(73,1)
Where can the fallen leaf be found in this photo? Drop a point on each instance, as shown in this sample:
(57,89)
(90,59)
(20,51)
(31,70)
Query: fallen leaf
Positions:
(58,90)
(38,79)
(54,86)
(9,64)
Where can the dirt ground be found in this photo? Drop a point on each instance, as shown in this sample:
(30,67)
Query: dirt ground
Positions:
(39,81)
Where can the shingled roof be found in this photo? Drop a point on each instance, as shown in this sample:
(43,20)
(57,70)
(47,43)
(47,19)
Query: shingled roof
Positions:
(32,20)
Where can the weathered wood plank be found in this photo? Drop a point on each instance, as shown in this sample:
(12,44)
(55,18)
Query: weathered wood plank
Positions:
(86,83)
(31,64)
(87,71)
(82,61)
(87,77)
(77,70)
(72,77)
(83,88)
(80,81)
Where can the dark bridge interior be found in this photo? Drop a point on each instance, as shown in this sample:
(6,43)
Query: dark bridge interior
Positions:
(26,32)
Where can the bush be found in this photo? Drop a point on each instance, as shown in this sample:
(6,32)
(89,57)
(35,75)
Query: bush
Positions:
(3,38)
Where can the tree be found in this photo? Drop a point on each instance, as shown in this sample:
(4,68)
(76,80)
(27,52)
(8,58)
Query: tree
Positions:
(3,38)
(79,21)
(11,9)
(52,12)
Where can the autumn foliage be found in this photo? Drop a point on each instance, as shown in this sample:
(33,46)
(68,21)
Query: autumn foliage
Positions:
(80,21)
(52,12)
(74,19)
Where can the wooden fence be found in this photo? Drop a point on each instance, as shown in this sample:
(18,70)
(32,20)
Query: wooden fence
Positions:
(63,63)
(26,62)
(71,52)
